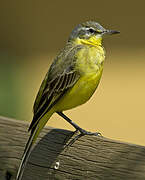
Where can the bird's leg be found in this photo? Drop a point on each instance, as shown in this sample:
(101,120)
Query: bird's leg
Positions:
(82,131)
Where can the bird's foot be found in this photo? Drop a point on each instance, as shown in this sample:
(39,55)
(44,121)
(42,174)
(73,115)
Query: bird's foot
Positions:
(82,133)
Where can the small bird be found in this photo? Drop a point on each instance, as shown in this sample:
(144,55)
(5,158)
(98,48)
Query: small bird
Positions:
(70,81)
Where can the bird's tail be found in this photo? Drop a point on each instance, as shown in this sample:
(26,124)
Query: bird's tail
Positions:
(28,148)
(26,155)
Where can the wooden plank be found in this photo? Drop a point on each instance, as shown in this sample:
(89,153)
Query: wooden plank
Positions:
(90,157)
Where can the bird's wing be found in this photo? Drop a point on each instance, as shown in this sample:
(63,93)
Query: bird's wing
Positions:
(61,76)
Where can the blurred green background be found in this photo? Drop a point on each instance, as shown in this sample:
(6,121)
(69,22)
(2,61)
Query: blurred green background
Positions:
(31,34)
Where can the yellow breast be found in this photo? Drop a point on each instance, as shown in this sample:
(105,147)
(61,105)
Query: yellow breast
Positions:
(90,59)
(90,65)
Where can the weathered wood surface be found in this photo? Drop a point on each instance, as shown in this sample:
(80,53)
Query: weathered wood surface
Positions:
(91,158)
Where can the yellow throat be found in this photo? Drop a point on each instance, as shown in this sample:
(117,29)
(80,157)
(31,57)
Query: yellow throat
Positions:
(91,57)
(93,40)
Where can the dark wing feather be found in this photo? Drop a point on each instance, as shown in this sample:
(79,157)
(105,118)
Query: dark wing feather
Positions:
(55,84)
(40,93)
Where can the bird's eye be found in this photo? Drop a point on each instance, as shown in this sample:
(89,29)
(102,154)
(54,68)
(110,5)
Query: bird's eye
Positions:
(91,30)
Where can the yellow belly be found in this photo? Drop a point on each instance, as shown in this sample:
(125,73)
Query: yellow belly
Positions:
(80,92)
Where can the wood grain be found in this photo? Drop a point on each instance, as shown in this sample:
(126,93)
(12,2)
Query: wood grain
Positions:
(90,157)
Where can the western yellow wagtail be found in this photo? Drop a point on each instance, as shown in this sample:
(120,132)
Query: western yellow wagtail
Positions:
(70,81)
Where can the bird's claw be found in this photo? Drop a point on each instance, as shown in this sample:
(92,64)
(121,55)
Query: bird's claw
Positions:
(82,133)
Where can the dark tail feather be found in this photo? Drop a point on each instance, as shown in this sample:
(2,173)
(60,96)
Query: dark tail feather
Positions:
(33,136)
(26,154)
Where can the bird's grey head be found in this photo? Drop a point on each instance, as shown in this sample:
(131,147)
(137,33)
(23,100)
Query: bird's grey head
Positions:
(88,29)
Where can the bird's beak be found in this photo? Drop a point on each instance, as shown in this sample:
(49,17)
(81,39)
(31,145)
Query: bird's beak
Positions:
(111,32)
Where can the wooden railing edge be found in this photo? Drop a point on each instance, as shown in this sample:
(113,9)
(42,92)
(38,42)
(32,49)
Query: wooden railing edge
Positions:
(89,157)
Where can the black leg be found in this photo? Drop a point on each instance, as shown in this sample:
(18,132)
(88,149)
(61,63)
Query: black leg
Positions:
(82,131)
